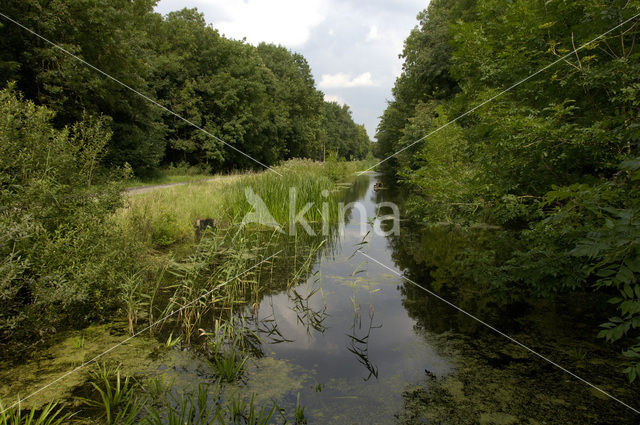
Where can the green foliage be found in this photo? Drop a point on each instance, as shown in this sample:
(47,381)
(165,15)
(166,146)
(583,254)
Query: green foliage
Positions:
(49,415)
(159,402)
(158,386)
(230,365)
(66,260)
(299,412)
(426,75)
(165,231)
(261,100)
(242,411)
(610,245)
(87,29)
(190,408)
(550,166)
(165,217)
(116,397)
(335,169)
(341,135)
(62,259)
(297,105)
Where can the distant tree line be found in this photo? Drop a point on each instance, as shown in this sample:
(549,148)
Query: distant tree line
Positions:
(261,100)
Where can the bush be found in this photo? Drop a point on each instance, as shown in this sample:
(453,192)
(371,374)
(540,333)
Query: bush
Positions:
(60,257)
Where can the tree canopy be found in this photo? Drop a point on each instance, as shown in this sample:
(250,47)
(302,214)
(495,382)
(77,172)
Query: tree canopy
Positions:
(260,100)
(550,166)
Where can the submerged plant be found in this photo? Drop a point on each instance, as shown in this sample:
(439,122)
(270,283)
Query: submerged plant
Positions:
(359,345)
(158,386)
(299,412)
(200,408)
(234,333)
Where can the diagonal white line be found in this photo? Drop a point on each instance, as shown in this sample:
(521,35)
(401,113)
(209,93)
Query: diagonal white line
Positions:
(137,333)
(144,96)
(500,333)
(501,93)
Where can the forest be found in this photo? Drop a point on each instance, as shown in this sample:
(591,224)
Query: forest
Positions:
(541,183)
(261,101)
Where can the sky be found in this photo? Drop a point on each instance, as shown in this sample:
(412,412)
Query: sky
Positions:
(352,46)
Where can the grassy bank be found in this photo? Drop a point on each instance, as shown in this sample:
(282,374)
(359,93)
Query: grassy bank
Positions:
(166,217)
(175,174)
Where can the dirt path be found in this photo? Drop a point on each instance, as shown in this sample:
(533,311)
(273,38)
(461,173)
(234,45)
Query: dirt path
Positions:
(142,189)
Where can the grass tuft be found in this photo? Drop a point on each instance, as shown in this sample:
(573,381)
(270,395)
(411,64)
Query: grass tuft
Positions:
(49,415)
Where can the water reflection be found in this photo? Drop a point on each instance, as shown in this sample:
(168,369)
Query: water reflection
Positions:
(359,342)
(362,346)
(345,324)
(495,380)
(312,319)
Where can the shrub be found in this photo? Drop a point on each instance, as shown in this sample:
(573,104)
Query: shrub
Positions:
(60,256)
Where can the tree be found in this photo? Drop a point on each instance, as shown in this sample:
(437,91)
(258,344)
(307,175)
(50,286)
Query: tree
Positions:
(297,114)
(343,136)
(550,165)
(107,34)
(253,103)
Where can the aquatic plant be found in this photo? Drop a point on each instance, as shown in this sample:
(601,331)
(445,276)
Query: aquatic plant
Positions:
(163,217)
(215,280)
(204,281)
(158,386)
(240,411)
(117,398)
(78,343)
(204,407)
(299,412)
(306,314)
(229,366)
(234,333)
(200,408)
(49,415)
(359,345)
(130,293)
(152,293)
(207,279)
(171,341)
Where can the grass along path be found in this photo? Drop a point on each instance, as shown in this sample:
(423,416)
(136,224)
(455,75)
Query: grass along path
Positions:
(183,180)
(164,218)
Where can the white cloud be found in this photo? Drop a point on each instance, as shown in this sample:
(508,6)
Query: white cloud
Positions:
(342,80)
(334,98)
(286,22)
(373,33)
